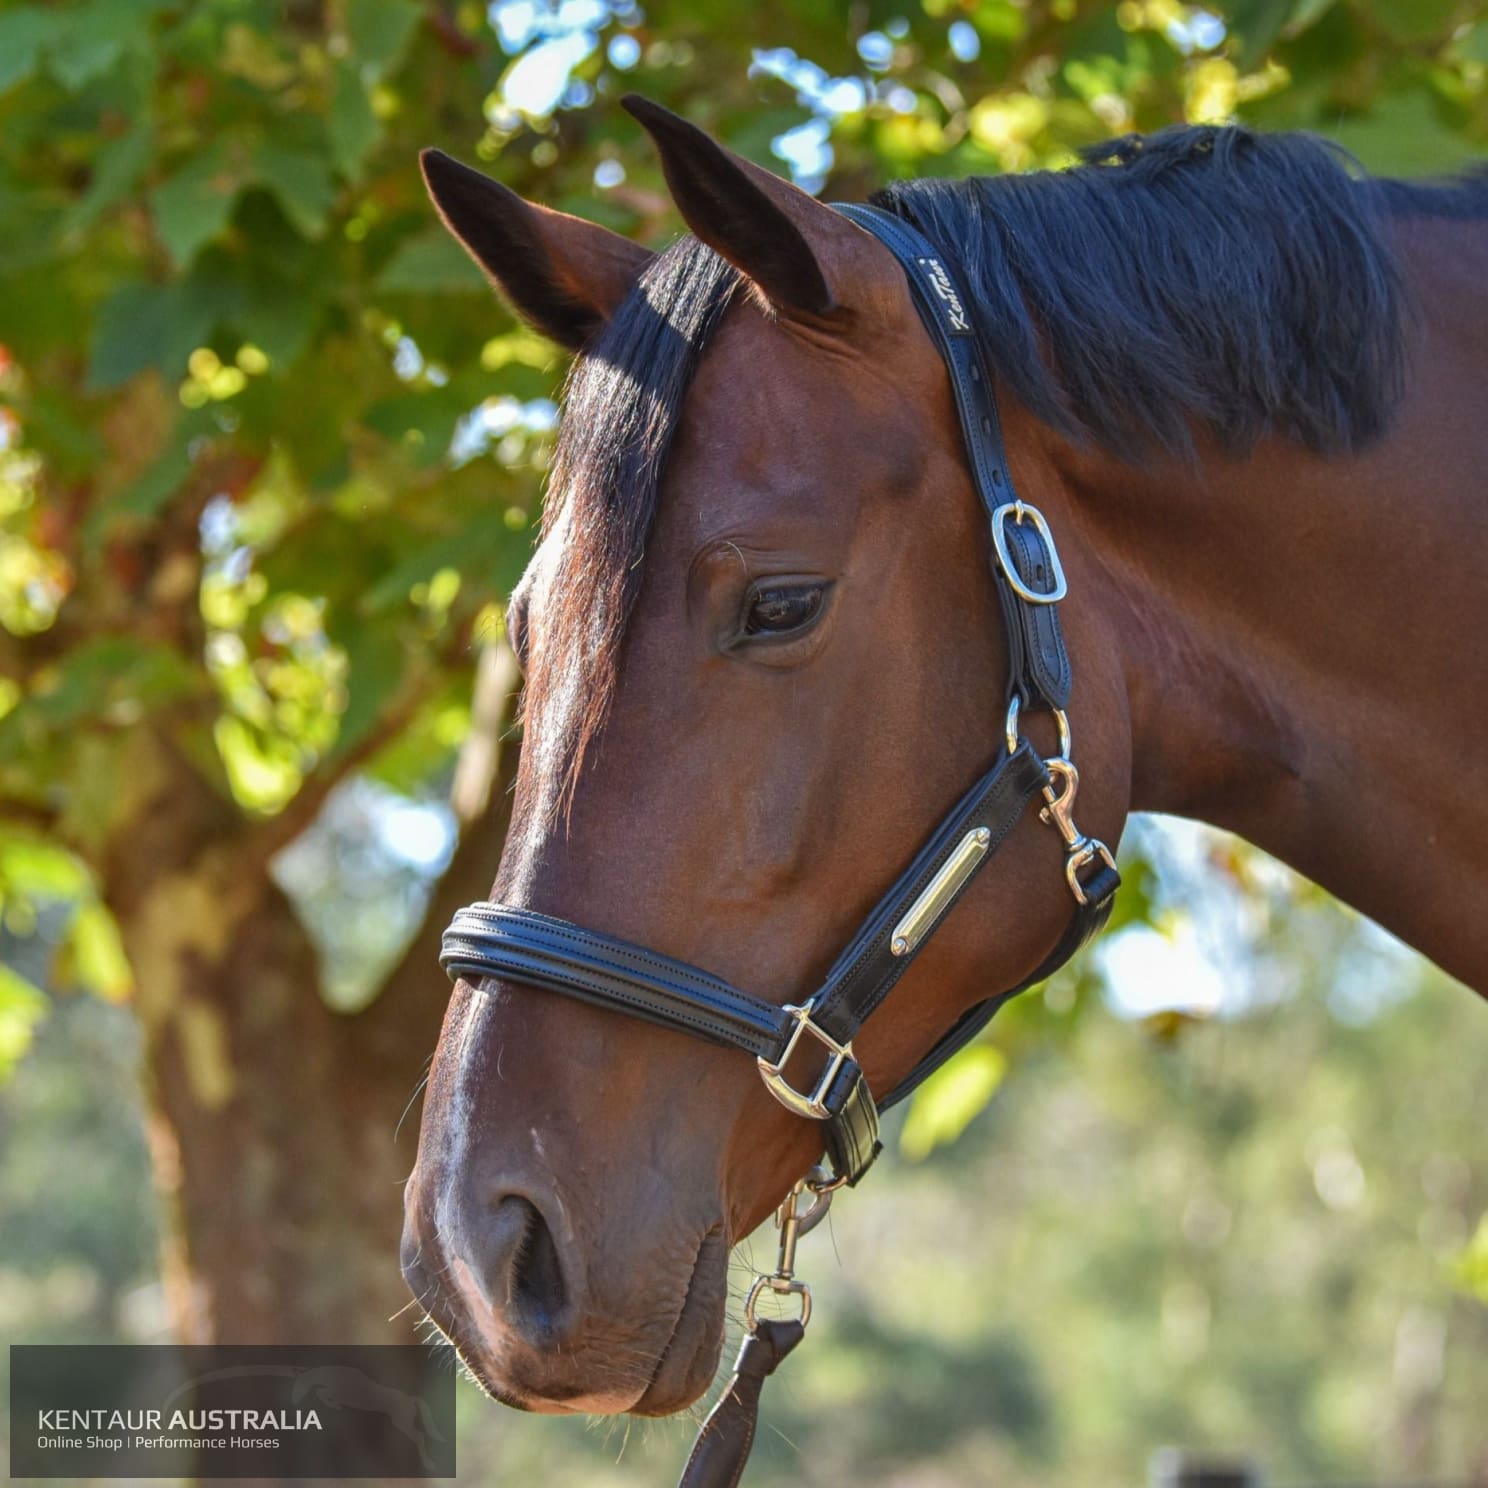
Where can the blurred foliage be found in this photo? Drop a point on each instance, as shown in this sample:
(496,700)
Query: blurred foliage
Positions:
(78,1223)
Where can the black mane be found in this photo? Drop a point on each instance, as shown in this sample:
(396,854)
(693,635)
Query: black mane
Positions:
(1201,280)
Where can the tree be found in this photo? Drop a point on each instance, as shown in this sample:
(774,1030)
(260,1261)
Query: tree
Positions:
(270,459)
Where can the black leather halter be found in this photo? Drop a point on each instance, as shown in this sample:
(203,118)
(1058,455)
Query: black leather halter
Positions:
(498,940)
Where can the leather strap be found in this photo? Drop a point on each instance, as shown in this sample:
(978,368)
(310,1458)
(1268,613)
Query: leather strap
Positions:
(1088,920)
(539,950)
(723,1442)
(1038,663)
(868,969)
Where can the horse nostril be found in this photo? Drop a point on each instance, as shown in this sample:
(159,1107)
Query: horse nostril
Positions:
(519,1269)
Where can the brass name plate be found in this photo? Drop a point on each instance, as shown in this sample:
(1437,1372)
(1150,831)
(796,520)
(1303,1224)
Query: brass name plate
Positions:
(939,892)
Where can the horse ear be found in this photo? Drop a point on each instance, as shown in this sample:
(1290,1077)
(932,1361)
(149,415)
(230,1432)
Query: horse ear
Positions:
(794,248)
(562,274)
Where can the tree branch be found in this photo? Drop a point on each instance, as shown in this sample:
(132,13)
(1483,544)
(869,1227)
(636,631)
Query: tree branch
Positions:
(30,814)
(404,1019)
(22,657)
(399,1029)
(498,677)
(275,834)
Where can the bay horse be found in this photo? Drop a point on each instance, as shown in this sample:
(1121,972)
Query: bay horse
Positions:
(1242,381)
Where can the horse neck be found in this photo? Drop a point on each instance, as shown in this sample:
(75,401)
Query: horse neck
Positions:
(1301,639)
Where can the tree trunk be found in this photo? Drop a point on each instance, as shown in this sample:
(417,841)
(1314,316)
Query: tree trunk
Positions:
(274,1146)
(273,1120)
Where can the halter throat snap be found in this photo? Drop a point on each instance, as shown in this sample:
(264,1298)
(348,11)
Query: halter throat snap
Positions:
(507,941)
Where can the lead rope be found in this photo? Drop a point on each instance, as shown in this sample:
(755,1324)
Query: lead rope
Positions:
(723,1441)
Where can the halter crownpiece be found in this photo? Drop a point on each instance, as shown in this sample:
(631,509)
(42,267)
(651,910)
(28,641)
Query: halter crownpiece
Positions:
(498,940)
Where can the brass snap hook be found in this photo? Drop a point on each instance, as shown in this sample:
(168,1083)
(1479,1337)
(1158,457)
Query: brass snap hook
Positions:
(1060,812)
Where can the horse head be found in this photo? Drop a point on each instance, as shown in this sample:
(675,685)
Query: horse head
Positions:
(763,656)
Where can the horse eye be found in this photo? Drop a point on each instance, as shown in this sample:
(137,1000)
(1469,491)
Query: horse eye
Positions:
(780,611)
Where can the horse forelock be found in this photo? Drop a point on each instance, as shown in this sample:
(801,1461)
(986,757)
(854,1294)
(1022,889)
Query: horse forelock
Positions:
(622,405)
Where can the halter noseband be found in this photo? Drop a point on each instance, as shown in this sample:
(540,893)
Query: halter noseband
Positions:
(498,940)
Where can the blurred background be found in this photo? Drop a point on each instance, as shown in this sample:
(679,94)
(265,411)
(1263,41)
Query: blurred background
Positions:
(271,456)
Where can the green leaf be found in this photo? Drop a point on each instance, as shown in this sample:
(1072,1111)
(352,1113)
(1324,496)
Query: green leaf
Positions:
(1307,13)
(352,127)
(1403,134)
(98,953)
(195,204)
(278,318)
(1257,23)
(488,550)
(22,1007)
(158,484)
(374,657)
(951,1099)
(101,675)
(300,181)
(1415,21)
(83,53)
(147,325)
(432,263)
(115,170)
(379,30)
(422,421)
(1475,46)
(24,31)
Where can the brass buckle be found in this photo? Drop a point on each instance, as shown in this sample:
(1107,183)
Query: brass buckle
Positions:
(1019,511)
(812,1105)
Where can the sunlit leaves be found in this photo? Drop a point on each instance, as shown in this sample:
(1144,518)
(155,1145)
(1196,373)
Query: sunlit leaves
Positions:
(33,583)
(114,680)
(431,262)
(1472,1265)
(193,205)
(22,1007)
(282,682)
(36,876)
(34,870)
(264,769)
(947,1103)
(97,953)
